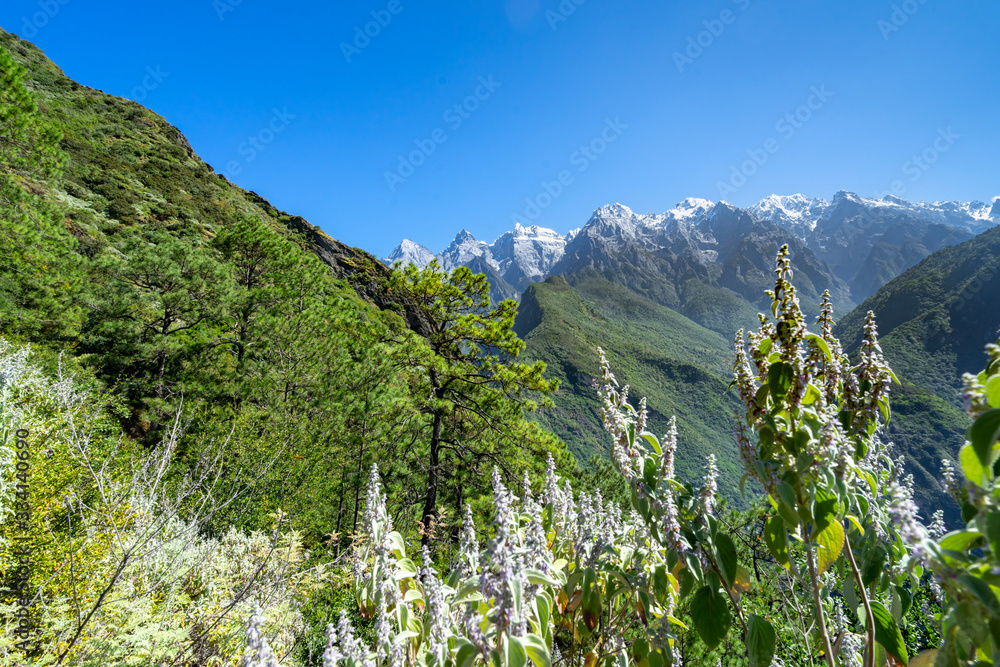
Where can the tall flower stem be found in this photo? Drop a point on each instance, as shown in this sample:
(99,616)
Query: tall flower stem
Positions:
(820,618)
(869,619)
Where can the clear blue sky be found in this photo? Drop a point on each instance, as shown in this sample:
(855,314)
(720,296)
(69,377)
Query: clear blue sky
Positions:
(225,66)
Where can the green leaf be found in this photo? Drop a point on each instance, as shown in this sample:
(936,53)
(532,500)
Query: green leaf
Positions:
(776,538)
(710,614)
(830,542)
(761,639)
(514,652)
(726,552)
(779,379)
(536,649)
(465,652)
(993,532)
(983,435)
(974,471)
(887,632)
(536,577)
(982,591)
(959,540)
(993,391)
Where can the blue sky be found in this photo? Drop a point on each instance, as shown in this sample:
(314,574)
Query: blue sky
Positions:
(632,101)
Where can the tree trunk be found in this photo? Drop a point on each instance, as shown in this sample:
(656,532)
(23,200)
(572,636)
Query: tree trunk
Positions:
(430,499)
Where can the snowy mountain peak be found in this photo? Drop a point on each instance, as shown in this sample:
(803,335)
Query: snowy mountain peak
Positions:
(614,211)
(463,236)
(534,232)
(793,211)
(410,252)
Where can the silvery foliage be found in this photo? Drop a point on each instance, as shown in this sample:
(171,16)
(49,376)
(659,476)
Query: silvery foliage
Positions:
(548,560)
(170,580)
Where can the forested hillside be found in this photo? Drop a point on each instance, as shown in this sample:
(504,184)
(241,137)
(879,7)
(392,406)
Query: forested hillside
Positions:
(221,430)
(206,318)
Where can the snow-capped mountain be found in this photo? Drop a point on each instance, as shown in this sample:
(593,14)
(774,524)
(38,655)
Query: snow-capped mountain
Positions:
(409,252)
(463,249)
(520,257)
(526,254)
(864,241)
(793,212)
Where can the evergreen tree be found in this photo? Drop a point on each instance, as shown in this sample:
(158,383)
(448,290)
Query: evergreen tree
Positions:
(157,309)
(40,275)
(473,391)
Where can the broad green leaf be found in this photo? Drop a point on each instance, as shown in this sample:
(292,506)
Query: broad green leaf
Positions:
(726,556)
(959,540)
(887,632)
(710,614)
(974,471)
(983,435)
(514,652)
(536,577)
(537,650)
(405,569)
(948,651)
(981,590)
(830,542)
(776,538)
(465,652)
(779,379)
(820,343)
(993,391)
(857,524)
(761,639)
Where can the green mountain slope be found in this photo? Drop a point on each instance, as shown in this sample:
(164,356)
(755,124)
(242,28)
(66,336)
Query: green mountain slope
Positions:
(934,321)
(936,318)
(679,366)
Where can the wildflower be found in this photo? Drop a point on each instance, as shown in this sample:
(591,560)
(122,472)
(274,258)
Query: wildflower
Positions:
(353,648)
(258,653)
(503,565)
(669,448)
(437,610)
(331,655)
(904,515)
(949,480)
(387,651)
(671,526)
(707,496)
(468,546)
(937,529)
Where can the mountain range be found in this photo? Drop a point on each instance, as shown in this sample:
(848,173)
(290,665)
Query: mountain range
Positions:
(850,244)
(663,294)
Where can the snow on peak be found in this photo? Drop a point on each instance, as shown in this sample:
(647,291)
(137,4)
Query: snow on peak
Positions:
(614,211)
(692,207)
(793,211)
(410,252)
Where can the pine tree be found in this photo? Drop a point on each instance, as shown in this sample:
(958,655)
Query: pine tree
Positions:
(475,391)
(40,275)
